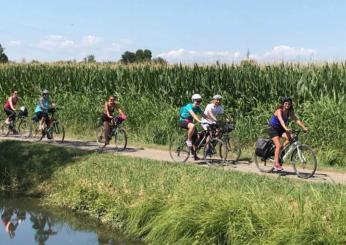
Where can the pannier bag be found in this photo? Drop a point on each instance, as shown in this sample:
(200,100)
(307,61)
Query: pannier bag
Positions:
(263,147)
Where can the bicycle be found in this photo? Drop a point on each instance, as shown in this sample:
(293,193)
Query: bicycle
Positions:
(55,131)
(303,158)
(116,131)
(205,139)
(23,125)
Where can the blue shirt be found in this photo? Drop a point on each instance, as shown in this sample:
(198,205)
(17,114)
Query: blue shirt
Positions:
(185,114)
(45,103)
(275,123)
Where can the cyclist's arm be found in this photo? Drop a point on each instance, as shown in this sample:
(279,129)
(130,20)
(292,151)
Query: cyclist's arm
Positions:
(195,116)
(42,105)
(11,103)
(298,122)
(107,111)
(281,120)
(117,107)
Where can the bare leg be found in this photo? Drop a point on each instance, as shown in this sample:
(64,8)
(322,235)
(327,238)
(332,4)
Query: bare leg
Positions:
(277,144)
(107,132)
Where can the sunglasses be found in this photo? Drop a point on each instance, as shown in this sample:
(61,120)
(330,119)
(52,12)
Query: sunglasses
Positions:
(198,101)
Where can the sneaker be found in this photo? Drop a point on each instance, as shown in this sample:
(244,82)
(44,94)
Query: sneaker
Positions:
(196,158)
(189,143)
(278,168)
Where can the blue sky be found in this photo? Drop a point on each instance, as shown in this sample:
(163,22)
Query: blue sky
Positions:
(179,31)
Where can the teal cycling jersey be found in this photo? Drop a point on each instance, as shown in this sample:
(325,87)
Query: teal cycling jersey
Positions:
(185,114)
(45,103)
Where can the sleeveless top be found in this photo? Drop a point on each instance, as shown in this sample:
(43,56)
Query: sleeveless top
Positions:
(275,123)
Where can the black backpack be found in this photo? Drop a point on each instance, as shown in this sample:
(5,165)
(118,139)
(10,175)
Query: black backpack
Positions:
(263,146)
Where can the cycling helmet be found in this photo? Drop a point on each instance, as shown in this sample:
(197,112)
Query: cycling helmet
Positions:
(285,99)
(217,97)
(196,97)
(45,91)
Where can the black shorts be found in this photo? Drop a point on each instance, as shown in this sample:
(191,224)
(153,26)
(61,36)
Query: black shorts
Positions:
(183,124)
(273,132)
(41,114)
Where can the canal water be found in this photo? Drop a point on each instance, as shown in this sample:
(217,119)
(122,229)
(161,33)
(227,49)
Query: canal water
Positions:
(25,222)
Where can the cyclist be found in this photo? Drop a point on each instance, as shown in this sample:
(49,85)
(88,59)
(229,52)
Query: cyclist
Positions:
(107,116)
(213,110)
(42,108)
(279,127)
(187,114)
(9,109)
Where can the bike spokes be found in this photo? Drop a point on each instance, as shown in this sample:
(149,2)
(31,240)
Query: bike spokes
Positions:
(304,161)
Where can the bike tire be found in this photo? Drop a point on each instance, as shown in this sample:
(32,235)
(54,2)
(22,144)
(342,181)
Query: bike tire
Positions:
(215,151)
(265,165)
(57,132)
(99,133)
(4,130)
(24,128)
(233,150)
(178,150)
(120,139)
(304,165)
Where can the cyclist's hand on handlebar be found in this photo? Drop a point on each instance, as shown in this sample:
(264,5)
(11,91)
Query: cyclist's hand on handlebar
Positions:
(288,130)
(305,129)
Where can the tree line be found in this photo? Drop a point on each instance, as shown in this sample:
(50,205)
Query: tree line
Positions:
(128,57)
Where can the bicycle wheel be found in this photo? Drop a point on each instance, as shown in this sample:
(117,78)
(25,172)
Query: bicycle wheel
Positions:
(265,165)
(234,149)
(35,132)
(178,150)
(100,139)
(215,151)
(120,139)
(24,128)
(4,130)
(304,161)
(56,132)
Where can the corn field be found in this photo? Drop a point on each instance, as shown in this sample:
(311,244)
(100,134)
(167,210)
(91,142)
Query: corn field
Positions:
(152,95)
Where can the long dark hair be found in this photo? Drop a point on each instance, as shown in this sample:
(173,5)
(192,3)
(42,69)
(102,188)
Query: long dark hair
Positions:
(281,105)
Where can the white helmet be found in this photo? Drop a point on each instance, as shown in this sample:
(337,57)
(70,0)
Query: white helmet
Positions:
(196,97)
(217,97)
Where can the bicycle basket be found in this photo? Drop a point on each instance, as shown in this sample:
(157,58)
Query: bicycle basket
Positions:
(23,112)
(263,147)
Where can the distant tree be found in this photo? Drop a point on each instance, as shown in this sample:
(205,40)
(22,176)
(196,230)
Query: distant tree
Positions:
(90,58)
(160,61)
(147,55)
(128,57)
(140,56)
(3,56)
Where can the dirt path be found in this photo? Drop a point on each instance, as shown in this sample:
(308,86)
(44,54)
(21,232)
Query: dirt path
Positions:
(162,155)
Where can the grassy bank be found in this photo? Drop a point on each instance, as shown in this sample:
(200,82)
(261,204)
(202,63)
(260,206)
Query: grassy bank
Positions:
(152,95)
(165,203)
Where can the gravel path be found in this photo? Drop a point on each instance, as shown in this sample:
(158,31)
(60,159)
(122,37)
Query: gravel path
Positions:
(162,155)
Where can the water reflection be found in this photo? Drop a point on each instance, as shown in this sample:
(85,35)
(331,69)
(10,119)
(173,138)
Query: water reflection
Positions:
(26,222)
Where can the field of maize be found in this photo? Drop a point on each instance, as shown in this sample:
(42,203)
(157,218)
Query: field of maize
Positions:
(152,95)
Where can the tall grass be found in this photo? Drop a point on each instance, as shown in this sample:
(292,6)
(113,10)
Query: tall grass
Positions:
(176,204)
(151,96)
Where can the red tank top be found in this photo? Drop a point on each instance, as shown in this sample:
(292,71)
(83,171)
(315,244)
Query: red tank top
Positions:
(14,102)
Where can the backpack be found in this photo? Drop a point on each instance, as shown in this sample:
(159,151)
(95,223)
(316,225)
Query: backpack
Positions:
(263,146)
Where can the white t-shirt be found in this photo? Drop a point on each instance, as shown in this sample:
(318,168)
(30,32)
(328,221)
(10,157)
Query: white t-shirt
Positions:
(216,110)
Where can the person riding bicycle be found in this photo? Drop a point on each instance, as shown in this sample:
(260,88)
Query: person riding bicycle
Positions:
(213,111)
(279,127)
(107,116)
(187,114)
(42,108)
(9,109)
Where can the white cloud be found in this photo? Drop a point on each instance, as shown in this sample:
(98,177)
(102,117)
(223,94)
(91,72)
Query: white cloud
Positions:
(182,55)
(283,52)
(14,43)
(90,40)
(54,42)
